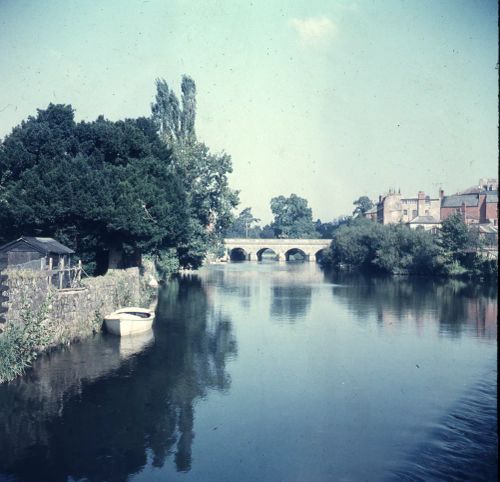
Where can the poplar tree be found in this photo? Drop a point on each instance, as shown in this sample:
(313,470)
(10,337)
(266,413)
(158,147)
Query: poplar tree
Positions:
(204,174)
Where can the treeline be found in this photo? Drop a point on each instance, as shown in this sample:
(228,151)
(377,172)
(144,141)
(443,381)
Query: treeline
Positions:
(457,250)
(114,191)
(292,219)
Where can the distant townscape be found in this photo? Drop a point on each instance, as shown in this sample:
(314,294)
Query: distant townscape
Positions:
(476,205)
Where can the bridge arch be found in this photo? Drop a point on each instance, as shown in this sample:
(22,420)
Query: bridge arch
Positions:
(238,254)
(261,251)
(320,254)
(296,254)
(283,248)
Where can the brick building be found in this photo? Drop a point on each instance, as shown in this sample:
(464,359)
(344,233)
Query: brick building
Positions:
(477,204)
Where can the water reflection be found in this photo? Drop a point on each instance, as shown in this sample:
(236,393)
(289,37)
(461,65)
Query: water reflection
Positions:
(85,413)
(291,287)
(455,305)
(290,302)
(141,409)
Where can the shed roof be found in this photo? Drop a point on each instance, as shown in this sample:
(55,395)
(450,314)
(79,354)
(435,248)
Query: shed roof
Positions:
(424,220)
(42,245)
(456,200)
(486,228)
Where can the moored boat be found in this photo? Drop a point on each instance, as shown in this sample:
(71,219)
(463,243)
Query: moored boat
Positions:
(129,321)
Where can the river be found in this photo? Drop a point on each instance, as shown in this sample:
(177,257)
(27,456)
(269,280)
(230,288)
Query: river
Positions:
(270,372)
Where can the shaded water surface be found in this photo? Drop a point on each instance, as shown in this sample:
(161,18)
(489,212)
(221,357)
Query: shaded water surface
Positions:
(269,371)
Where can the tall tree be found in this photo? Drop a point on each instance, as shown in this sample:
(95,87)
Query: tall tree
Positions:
(292,217)
(362,204)
(244,225)
(204,174)
(457,239)
(166,111)
(188,117)
(103,188)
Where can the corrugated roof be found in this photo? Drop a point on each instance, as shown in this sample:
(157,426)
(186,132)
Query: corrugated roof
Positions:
(457,200)
(42,245)
(488,229)
(424,220)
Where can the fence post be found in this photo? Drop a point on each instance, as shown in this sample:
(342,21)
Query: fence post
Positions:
(79,272)
(61,272)
(50,274)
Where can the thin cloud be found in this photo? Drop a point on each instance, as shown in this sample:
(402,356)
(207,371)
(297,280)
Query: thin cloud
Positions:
(314,30)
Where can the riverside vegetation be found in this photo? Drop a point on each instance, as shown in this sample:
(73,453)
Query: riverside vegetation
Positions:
(456,250)
(114,191)
(119,193)
(22,342)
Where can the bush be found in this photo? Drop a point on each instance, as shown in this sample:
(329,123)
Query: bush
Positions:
(167,263)
(21,343)
(395,249)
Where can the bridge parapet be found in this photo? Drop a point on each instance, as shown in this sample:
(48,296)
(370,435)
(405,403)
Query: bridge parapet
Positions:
(254,247)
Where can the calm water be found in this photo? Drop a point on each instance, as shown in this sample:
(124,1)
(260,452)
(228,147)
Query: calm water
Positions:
(270,372)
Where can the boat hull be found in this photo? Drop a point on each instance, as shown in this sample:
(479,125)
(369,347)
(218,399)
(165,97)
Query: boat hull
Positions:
(121,323)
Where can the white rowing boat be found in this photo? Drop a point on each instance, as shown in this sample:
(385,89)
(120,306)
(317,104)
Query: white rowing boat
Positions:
(129,321)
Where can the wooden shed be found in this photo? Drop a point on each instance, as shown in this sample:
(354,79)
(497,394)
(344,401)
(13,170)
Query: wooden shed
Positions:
(33,253)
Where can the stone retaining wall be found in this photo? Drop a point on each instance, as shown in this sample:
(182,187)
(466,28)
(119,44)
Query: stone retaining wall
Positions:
(74,314)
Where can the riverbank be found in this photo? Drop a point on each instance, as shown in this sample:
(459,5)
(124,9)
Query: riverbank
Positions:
(40,318)
(253,356)
(456,251)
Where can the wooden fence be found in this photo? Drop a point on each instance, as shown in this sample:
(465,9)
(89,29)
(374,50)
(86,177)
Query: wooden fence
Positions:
(64,277)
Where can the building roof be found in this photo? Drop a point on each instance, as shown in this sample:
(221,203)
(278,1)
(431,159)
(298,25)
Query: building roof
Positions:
(492,196)
(456,200)
(42,245)
(488,229)
(372,210)
(424,220)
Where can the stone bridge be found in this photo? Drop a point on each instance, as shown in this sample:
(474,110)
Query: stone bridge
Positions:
(252,249)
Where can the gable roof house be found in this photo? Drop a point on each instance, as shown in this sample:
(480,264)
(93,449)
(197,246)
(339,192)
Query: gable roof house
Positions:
(427,223)
(475,207)
(33,253)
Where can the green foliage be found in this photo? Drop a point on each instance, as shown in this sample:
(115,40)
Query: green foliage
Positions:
(455,237)
(21,343)
(126,188)
(267,232)
(367,246)
(292,217)
(122,295)
(362,204)
(243,226)
(166,263)
(204,178)
(97,187)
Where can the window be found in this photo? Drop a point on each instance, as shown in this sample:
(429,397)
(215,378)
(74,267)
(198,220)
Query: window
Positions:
(427,212)
(414,213)
(405,212)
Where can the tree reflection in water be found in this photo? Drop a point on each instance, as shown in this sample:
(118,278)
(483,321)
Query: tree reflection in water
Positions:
(144,407)
(454,305)
(290,302)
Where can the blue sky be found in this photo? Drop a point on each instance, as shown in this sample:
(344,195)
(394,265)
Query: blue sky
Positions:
(327,99)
